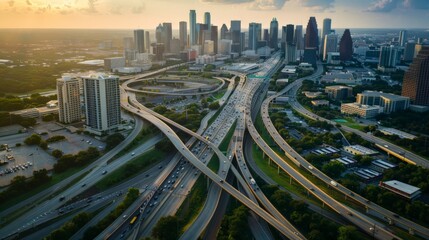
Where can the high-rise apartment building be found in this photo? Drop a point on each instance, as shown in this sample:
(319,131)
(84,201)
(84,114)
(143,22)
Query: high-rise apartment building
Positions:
(274,33)
(346,46)
(330,45)
(168,35)
(311,35)
(102,102)
(409,49)
(416,79)
(290,28)
(68,99)
(235,30)
(192,27)
(403,38)
(183,34)
(207,20)
(266,36)
(139,40)
(215,37)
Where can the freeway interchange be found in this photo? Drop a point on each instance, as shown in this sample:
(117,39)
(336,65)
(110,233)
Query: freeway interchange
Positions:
(162,195)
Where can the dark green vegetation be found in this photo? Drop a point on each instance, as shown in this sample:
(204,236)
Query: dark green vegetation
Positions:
(6,119)
(20,185)
(113,140)
(93,231)
(407,120)
(419,145)
(223,146)
(234,224)
(34,139)
(131,169)
(192,204)
(191,118)
(12,103)
(82,158)
(56,138)
(313,225)
(67,230)
(167,228)
(214,105)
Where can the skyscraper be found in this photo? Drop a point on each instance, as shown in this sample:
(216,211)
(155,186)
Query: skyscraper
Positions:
(330,45)
(168,35)
(147,41)
(346,46)
(416,79)
(289,33)
(223,31)
(139,40)
(388,56)
(183,34)
(266,36)
(325,31)
(254,35)
(128,43)
(311,35)
(299,41)
(215,37)
(290,53)
(192,27)
(203,33)
(207,20)
(235,30)
(410,47)
(274,33)
(402,38)
(102,102)
(160,34)
(68,99)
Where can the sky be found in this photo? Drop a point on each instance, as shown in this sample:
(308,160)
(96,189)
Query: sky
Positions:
(147,14)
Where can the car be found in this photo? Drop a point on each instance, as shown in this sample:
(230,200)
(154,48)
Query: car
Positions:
(83,185)
(386,146)
(396,215)
(104,172)
(125,216)
(133,153)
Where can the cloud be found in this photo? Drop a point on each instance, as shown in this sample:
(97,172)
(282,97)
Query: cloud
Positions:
(390,5)
(91,6)
(267,4)
(28,2)
(227,1)
(318,5)
(383,6)
(11,3)
(123,7)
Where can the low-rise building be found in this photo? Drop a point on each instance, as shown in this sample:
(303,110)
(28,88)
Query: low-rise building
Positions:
(339,92)
(110,64)
(282,82)
(359,150)
(363,111)
(389,102)
(399,133)
(367,174)
(402,189)
(333,58)
(340,77)
(306,67)
(312,94)
(318,103)
(346,161)
(325,151)
(381,166)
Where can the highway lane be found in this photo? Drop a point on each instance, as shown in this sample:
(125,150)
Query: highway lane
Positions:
(381,212)
(368,225)
(213,176)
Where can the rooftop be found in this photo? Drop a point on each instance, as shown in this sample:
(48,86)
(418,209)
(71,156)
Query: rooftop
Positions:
(409,189)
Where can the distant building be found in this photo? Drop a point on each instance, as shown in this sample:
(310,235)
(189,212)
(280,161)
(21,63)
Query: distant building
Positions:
(312,95)
(339,92)
(402,189)
(346,161)
(333,58)
(102,103)
(225,46)
(318,103)
(410,47)
(363,111)
(416,79)
(205,59)
(209,47)
(310,56)
(290,55)
(175,46)
(68,99)
(274,33)
(255,31)
(306,66)
(139,40)
(389,102)
(326,30)
(381,166)
(299,40)
(192,27)
(330,45)
(402,38)
(311,34)
(388,58)
(346,46)
(110,64)
(339,77)
(359,150)
(183,34)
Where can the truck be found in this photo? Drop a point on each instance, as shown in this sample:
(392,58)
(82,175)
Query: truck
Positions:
(333,183)
(252,181)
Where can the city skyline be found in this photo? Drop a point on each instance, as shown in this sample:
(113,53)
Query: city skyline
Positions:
(148,14)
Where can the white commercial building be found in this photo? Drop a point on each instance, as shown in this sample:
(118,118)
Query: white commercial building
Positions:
(402,189)
(359,150)
(68,99)
(205,59)
(389,102)
(102,102)
(364,111)
(330,45)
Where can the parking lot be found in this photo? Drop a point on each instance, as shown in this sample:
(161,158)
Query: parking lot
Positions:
(27,159)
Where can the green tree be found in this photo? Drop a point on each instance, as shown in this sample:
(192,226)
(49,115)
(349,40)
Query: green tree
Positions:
(166,228)
(348,233)
(214,105)
(57,153)
(333,169)
(113,140)
(34,139)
